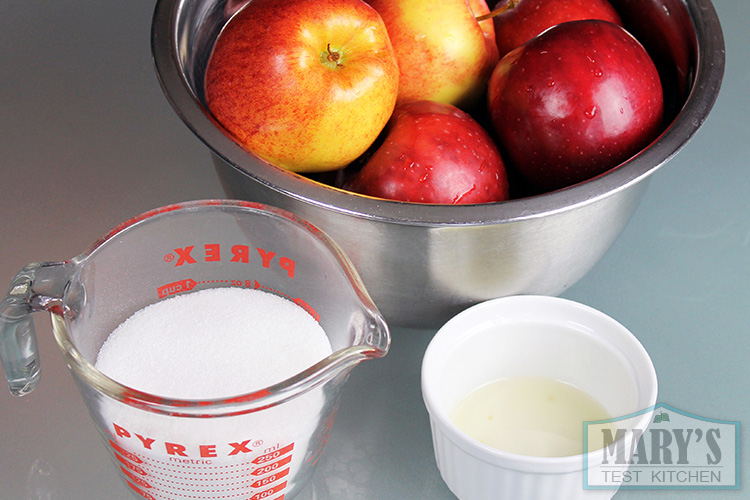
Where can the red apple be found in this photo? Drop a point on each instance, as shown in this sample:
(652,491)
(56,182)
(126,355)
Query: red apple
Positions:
(573,102)
(307,85)
(433,153)
(522,20)
(444,53)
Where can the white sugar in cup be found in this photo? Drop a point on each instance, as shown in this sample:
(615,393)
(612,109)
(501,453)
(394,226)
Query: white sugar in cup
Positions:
(530,336)
(213,343)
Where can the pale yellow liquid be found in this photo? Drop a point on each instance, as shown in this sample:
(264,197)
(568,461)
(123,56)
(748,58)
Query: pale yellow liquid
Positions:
(535,416)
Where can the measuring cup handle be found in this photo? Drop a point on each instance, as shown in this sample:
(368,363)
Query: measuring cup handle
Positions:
(19,352)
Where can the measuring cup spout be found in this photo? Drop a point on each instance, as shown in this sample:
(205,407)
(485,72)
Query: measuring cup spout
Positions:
(375,343)
(378,335)
(37,287)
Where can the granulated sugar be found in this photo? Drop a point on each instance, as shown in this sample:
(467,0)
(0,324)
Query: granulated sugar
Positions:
(209,344)
(213,343)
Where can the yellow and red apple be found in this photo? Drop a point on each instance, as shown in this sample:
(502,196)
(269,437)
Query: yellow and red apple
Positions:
(305,85)
(444,54)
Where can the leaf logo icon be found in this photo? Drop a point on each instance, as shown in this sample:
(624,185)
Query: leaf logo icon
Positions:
(661,417)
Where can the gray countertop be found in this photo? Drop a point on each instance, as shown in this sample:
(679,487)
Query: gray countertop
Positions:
(88,140)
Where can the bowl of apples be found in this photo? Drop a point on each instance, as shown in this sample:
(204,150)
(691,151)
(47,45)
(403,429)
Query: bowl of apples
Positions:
(456,151)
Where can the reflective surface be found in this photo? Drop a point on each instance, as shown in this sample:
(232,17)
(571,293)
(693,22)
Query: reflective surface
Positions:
(88,140)
(460,255)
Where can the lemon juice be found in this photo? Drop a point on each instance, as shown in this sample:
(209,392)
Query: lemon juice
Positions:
(535,416)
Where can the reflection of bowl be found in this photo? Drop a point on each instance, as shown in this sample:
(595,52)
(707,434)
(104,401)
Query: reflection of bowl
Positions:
(424,263)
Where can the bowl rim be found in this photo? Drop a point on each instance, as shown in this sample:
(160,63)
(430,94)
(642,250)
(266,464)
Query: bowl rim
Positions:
(509,312)
(704,90)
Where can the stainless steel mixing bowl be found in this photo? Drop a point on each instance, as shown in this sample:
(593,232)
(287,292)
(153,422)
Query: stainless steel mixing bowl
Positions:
(424,263)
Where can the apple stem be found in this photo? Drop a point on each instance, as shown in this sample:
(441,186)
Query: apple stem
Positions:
(334,56)
(509,4)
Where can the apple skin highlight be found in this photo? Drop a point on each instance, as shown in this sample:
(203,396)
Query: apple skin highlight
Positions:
(524,19)
(444,54)
(271,83)
(576,101)
(433,153)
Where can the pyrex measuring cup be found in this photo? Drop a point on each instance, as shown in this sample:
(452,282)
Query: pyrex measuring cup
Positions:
(251,446)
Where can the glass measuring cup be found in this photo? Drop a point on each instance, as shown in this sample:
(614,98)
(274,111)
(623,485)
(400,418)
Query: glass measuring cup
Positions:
(258,445)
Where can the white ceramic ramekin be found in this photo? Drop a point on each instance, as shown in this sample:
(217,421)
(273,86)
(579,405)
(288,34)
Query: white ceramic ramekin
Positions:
(531,336)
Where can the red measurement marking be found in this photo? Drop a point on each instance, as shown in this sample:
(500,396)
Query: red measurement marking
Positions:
(130,466)
(307,307)
(271,467)
(176,287)
(273,455)
(267,493)
(142,493)
(125,453)
(137,480)
(270,479)
(304,305)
